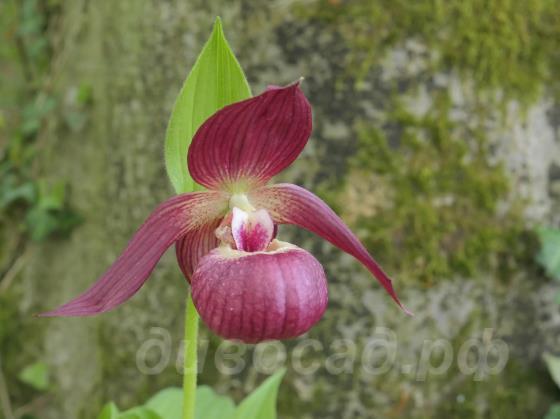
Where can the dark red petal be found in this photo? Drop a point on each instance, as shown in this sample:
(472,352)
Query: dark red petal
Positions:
(252,140)
(260,296)
(194,245)
(170,221)
(291,204)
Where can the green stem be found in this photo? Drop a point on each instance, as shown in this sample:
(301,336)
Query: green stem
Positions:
(190,363)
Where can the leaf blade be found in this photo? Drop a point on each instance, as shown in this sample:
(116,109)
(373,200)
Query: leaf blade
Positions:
(216,80)
(261,403)
(139,413)
(549,254)
(210,405)
(36,375)
(109,411)
(168,403)
(553,366)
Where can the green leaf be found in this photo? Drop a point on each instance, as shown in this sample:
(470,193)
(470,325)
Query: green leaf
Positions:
(553,365)
(51,197)
(261,403)
(85,94)
(216,80)
(36,375)
(553,412)
(140,413)
(10,193)
(109,411)
(549,255)
(210,405)
(168,403)
(42,223)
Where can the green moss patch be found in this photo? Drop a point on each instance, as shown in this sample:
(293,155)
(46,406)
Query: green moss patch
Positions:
(441,213)
(506,45)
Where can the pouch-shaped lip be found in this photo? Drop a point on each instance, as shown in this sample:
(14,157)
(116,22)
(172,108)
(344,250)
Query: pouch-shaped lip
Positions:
(255,296)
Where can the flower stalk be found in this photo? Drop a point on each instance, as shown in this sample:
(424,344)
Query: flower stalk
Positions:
(190,367)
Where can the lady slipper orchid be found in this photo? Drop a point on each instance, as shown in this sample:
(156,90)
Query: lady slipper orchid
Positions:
(246,284)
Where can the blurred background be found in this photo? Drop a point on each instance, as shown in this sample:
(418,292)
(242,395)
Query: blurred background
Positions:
(436,137)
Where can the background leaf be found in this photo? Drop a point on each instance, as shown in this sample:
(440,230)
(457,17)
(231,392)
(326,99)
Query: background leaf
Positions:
(168,403)
(110,411)
(36,375)
(549,255)
(210,405)
(216,80)
(261,404)
(553,365)
(553,412)
(140,413)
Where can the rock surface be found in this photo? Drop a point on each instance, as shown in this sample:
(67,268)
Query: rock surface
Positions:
(134,54)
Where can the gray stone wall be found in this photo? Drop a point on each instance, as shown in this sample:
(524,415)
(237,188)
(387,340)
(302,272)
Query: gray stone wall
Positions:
(134,55)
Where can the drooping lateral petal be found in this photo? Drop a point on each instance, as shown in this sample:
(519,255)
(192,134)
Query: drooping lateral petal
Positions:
(250,141)
(291,204)
(194,245)
(169,222)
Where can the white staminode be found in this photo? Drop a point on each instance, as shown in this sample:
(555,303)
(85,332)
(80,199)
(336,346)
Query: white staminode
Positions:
(253,230)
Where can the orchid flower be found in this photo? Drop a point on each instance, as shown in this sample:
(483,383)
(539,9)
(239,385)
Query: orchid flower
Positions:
(246,284)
